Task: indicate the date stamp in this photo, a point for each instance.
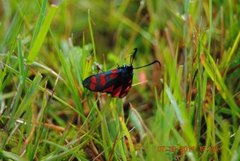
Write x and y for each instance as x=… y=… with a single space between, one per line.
x=182 y=150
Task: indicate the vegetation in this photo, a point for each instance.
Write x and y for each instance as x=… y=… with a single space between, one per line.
x=187 y=109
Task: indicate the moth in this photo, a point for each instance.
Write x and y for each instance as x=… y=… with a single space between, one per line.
x=116 y=82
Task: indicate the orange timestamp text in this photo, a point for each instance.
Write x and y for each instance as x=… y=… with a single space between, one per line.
x=184 y=149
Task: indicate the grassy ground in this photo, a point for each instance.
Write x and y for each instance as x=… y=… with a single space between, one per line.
x=187 y=109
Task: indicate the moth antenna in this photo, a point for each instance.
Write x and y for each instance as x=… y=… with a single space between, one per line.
x=133 y=56
x=156 y=61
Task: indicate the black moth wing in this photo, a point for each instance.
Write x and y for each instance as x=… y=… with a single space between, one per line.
x=117 y=82
x=101 y=81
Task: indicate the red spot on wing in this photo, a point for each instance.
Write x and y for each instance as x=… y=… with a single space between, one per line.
x=93 y=81
x=112 y=76
x=125 y=91
x=109 y=89
x=117 y=91
x=112 y=82
x=102 y=79
x=114 y=73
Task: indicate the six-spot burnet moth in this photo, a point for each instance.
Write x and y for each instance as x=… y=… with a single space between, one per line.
x=116 y=82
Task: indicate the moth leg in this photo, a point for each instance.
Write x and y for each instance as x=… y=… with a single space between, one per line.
x=99 y=67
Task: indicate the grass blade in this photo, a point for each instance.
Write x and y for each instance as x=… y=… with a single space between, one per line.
x=34 y=51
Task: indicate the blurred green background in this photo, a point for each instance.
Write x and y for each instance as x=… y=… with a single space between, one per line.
x=186 y=109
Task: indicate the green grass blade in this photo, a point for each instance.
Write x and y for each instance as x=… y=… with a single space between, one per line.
x=9 y=155
x=34 y=51
x=131 y=147
x=212 y=70
x=28 y=99
x=91 y=33
x=40 y=20
x=70 y=82
x=181 y=114
x=236 y=142
x=227 y=57
x=22 y=69
x=12 y=32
